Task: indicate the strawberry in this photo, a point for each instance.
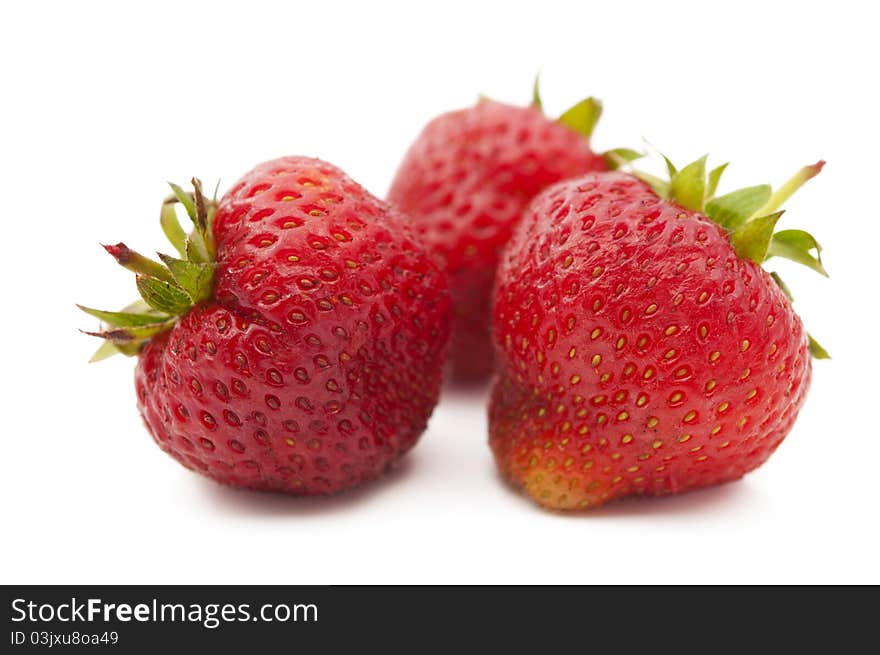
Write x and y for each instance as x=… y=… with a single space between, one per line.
x=298 y=342
x=466 y=180
x=643 y=349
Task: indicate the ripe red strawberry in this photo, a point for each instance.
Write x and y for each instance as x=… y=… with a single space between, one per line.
x=465 y=182
x=298 y=346
x=643 y=349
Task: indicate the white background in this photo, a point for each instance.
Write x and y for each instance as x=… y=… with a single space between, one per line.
x=102 y=103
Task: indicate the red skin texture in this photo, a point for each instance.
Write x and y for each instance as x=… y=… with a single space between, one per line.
x=638 y=353
x=465 y=182
x=320 y=358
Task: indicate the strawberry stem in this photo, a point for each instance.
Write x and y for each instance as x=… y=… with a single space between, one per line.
x=536 y=92
x=137 y=263
x=168 y=289
x=784 y=192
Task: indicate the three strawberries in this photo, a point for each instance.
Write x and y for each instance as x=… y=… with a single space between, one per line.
x=298 y=340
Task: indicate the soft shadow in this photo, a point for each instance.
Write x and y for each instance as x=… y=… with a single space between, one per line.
x=711 y=499
x=233 y=500
x=693 y=503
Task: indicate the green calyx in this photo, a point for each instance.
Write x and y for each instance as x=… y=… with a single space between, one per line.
x=168 y=288
x=749 y=215
x=580 y=117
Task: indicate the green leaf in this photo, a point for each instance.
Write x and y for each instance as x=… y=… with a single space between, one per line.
x=817 y=351
x=735 y=208
x=714 y=179
x=163 y=296
x=619 y=157
x=166 y=292
x=171 y=227
x=186 y=200
x=124 y=335
x=583 y=116
x=195 y=278
x=536 y=92
x=196 y=248
x=787 y=190
x=204 y=219
x=688 y=186
x=751 y=240
x=107 y=349
x=670 y=167
x=140 y=307
x=124 y=319
x=136 y=262
x=130 y=349
x=796 y=246
x=782 y=285
x=660 y=187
